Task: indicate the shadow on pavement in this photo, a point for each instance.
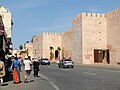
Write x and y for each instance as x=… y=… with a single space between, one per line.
x=8 y=77
x=31 y=80
x=5 y=84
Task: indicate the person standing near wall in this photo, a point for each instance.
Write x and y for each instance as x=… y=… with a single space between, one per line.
x=16 y=70
x=36 y=67
x=20 y=60
x=28 y=69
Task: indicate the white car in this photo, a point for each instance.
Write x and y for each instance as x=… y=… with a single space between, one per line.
x=45 y=61
x=66 y=63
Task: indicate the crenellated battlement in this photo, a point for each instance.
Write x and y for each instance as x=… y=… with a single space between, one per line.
x=77 y=17
x=113 y=11
x=92 y=15
x=52 y=34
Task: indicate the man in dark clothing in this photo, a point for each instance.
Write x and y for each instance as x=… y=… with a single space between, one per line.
x=2 y=54
x=36 y=67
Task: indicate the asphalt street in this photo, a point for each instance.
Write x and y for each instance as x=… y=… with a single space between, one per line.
x=82 y=77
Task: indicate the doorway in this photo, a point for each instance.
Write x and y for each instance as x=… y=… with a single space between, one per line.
x=101 y=56
x=56 y=54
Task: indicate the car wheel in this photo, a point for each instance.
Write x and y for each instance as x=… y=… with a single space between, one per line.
x=72 y=66
x=59 y=66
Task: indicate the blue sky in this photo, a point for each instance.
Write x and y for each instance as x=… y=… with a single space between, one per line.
x=32 y=17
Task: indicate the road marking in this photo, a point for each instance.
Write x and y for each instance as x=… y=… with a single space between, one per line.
x=89 y=73
x=49 y=82
x=102 y=69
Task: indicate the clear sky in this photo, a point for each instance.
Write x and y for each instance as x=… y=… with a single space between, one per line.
x=32 y=17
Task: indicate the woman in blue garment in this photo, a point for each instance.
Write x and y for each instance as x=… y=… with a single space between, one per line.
x=16 y=70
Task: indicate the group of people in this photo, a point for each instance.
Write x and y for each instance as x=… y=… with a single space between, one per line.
x=15 y=69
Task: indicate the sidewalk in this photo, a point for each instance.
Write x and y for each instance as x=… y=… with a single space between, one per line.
x=37 y=83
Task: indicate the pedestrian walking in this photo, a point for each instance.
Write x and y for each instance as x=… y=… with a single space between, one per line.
x=16 y=70
x=2 y=71
x=9 y=71
x=20 y=60
x=29 y=58
x=36 y=67
x=9 y=63
x=28 y=69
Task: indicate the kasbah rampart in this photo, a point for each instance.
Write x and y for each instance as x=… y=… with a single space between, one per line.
x=93 y=38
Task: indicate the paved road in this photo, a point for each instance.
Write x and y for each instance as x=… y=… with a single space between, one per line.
x=83 y=77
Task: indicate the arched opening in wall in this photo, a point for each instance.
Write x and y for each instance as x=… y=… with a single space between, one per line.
x=56 y=54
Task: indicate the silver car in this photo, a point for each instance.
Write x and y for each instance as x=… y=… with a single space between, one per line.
x=66 y=63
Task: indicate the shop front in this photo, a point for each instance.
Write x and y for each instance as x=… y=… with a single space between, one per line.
x=4 y=45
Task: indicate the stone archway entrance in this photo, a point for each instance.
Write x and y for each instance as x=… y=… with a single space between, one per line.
x=56 y=54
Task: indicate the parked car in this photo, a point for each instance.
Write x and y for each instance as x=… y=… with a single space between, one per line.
x=44 y=61
x=66 y=63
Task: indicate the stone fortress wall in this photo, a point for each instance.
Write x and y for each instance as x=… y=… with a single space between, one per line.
x=89 y=32
x=51 y=39
x=37 y=46
x=67 y=44
x=43 y=41
x=94 y=35
x=113 y=32
x=77 y=39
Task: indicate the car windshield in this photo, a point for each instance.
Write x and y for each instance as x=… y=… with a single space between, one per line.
x=67 y=60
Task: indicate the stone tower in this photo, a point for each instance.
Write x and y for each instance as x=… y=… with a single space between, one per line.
x=89 y=33
x=44 y=41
